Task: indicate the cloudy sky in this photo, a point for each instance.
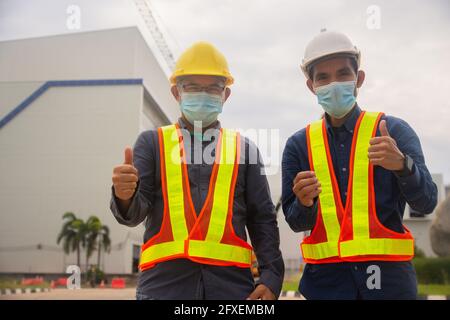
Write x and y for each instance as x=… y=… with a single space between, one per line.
x=406 y=59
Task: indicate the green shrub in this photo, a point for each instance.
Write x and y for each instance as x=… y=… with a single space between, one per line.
x=95 y=276
x=432 y=270
x=418 y=253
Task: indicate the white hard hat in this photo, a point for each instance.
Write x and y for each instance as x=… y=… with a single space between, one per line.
x=328 y=43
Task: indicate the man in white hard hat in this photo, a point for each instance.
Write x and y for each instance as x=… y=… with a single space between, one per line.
x=199 y=187
x=347 y=178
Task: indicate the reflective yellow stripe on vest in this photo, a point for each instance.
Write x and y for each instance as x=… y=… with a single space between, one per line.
x=327 y=202
x=362 y=244
x=211 y=247
x=174 y=183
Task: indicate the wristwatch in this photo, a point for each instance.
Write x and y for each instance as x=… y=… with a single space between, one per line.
x=407 y=170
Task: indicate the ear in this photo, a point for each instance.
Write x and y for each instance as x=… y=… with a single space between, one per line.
x=227 y=93
x=309 y=83
x=361 y=77
x=175 y=93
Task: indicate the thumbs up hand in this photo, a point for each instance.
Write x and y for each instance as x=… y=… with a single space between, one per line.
x=125 y=177
x=383 y=151
x=383 y=129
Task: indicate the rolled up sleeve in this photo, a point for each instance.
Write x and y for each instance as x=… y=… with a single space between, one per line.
x=298 y=217
x=418 y=189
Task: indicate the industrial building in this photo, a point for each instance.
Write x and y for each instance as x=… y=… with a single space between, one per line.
x=69 y=106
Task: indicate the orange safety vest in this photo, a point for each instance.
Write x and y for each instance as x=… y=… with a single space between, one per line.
x=353 y=232
x=208 y=238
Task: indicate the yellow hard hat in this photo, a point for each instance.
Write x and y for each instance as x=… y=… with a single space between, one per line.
x=202 y=58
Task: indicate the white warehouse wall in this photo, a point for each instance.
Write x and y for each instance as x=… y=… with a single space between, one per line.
x=58 y=154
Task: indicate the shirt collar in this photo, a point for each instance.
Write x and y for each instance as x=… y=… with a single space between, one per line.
x=183 y=125
x=349 y=124
x=216 y=127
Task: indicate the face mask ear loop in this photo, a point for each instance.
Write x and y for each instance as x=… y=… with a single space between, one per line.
x=356 y=85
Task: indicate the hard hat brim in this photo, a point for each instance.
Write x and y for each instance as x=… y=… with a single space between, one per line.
x=229 y=80
x=307 y=65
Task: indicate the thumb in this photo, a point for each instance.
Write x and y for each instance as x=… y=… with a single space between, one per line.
x=128 y=156
x=383 y=129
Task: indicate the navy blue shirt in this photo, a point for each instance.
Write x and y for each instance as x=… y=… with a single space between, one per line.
x=391 y=192
x=253 y=210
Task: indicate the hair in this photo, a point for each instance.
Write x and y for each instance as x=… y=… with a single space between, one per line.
x=353 y=61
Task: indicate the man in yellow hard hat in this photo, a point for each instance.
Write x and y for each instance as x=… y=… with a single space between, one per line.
x=347 y=178
x=198 y=188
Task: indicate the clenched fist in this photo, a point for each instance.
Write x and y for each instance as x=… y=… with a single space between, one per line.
x=306 y=187
x=125 y=177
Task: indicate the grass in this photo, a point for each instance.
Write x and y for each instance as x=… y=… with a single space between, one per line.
x=434 y=289
x=291 y=281
x=291 y=284
x=423 y=289
x=6 y=283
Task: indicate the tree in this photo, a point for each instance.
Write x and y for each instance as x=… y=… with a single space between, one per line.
x=104 y=242
x=71 y=234
x=91 y=230
x=97 y=238
x=91 y=235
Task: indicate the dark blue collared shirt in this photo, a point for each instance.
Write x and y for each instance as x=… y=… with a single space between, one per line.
x=347 y=280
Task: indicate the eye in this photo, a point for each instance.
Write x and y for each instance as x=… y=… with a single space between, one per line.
x=191 y=88
x=215 y=89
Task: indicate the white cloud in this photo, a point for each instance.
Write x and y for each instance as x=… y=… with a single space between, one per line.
x=406 y=61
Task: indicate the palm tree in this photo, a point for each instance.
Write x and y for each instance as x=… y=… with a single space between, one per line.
x=90 y=235
x=104 y=242
x=97 y=238
x=71 y=234
x=91 y=231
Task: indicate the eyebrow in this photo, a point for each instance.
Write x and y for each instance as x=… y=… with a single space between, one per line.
x=221 y=84
x=320 y=74
x=344 y=69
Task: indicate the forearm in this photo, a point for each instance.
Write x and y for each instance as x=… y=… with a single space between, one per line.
x=299 y=217
x=419 y=190
x=266 y=243
x=272 y=274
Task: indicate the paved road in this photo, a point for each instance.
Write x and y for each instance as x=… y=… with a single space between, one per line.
x=84 y=294
x=81 y=294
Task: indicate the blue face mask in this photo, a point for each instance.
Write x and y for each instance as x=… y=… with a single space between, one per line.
x=201 y=106
x=337 y=98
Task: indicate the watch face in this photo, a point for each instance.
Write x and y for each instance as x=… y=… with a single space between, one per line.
x=409 y=163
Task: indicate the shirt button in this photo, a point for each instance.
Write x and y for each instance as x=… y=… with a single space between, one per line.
x=344 y=169
x=342 y=145
x=355 y=267
x=345 y=193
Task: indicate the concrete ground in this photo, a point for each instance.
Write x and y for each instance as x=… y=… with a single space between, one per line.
x=84 y=294
x=81 y=294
